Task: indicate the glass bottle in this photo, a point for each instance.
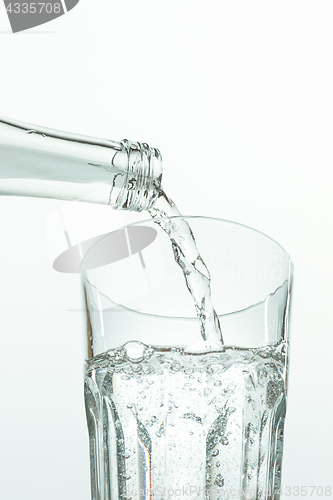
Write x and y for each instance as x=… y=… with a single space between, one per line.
x=41 y=162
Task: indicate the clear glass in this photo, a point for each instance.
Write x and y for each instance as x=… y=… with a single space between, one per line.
x=168 y=416
x=38 y=161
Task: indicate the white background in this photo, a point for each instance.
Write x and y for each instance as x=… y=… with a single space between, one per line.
x=238 y=96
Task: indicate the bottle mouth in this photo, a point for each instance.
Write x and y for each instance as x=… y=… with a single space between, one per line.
x=138 y=183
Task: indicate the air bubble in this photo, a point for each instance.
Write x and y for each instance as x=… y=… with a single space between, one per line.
x=119 y=355
x=149 y=351
x=265 y=352
x=135 y=351
x=219 y=481
x=160 y=431
x=280 y=434
x=192 y=416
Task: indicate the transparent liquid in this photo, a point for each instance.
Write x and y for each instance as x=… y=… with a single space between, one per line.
x=194 y=269
x=165 y=423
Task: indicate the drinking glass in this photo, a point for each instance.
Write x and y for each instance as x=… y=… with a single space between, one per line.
x=170 y=415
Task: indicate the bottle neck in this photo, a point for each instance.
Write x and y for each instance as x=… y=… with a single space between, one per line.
x=41 y=162
x=138 y=186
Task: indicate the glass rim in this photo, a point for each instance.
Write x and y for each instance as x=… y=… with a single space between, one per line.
x=201 y=217
x=194 y=317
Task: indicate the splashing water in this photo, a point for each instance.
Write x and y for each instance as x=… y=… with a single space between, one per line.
x=194 y=269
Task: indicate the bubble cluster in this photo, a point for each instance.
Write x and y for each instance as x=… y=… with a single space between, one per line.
x=206 y=417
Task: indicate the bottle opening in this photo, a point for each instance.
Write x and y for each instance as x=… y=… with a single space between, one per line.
x=136 y=187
